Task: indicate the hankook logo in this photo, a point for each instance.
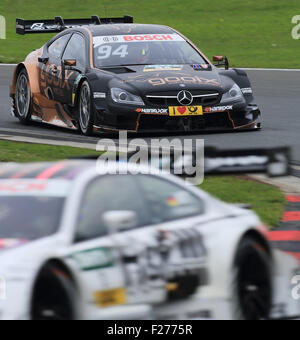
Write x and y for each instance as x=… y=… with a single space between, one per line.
x=185 y=98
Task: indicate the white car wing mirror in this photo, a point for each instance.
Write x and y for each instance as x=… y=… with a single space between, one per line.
x=120 y=220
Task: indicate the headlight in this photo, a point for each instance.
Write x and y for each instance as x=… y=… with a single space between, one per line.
x=234 y=94
x=123 y=97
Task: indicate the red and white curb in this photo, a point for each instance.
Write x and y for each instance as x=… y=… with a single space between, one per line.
x=287 y=236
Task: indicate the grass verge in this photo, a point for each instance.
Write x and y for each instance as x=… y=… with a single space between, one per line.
x=251 y=33
x=267 y=201
x=24 y=152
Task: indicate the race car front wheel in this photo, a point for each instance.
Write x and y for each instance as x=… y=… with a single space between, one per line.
x=22 y=101
x=86 y=114
x=54 y=296
x=252 y=281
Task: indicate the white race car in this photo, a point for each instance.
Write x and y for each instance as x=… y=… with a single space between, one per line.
x=76 y=244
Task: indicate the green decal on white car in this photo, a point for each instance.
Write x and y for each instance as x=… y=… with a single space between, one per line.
x=93 y=259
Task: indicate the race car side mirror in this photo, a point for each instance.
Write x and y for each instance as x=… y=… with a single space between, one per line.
x=218 y=58
x=221 y=61
x=119 y=220
x=70 y=62
x=43 y=60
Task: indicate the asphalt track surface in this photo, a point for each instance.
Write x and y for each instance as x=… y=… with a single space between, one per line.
x=277 y=93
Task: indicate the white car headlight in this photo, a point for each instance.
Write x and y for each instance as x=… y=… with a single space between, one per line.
x=124 y=97
x=234 y=94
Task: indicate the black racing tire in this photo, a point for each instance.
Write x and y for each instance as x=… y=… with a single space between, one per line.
x=252 y=281
x=85 y=110
x=22 y=103
x=55 y=296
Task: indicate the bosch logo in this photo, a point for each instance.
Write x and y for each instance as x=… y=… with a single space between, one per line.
x=185 y=98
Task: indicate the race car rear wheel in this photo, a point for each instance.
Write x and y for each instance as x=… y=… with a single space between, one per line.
x=252 y=281
x=22 y=100
x=86 y=114
x=54 y=296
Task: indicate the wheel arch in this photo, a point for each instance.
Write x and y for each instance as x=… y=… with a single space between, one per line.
x=257 y=237
x=262 y=246
x=238 y=76
x=76 y=90
x=33 y=75
x=65 y=271
x=60 y=267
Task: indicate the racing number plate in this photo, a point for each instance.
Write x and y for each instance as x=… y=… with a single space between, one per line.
x=185 y=111
x=110 y=297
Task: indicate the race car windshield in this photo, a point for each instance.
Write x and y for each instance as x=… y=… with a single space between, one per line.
x=29 y=217
x=153 y=49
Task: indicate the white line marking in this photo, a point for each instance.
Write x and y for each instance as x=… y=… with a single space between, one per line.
x=31 y=140
x=271 y=69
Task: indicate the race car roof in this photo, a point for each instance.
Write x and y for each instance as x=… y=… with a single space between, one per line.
x=125 y=29
x=68 y=170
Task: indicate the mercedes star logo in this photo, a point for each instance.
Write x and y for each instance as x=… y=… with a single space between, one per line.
x=185 y=98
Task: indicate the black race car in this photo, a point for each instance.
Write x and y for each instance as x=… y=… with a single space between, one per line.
x=110 y=74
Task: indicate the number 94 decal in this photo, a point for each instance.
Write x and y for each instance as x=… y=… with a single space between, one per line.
x=106 y=51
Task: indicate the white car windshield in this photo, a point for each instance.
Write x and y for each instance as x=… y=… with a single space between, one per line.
x=31 y=209
x=148 y=49
x=29 y=217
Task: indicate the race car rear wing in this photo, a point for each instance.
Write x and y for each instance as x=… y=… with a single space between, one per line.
x=273 y=162
x=59 y=24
